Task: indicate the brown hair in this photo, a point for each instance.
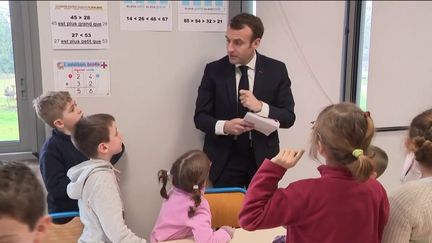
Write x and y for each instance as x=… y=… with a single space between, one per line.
x=380 y=158
x=341 y=129
x=188 y=171
x=420 y=138
x=50 y=106
x=91 y=131
x=21 y=194
x=239 y=21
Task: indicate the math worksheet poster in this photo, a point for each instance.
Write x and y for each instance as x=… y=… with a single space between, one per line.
x=146 y=15
x=83 y=78
x=79 y=24
x=202 y=15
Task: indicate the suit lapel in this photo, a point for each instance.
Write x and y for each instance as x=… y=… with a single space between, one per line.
x=230 y=82
x=259 y=76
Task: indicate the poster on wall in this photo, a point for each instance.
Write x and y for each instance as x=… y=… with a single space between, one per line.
x=203 y=15
x=83 y=78
x=79 y=24
x=146 y=15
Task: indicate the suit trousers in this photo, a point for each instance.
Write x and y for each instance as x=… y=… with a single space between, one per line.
x=241 y=165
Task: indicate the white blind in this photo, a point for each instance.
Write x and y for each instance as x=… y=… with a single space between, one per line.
x=400 y=67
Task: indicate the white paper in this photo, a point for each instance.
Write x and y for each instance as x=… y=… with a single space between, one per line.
x=146 y=15
x=203 y=15
x=83 y=78
x=262 y=124
x=79 y=24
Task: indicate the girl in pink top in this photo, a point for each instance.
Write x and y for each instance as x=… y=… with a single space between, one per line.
x=343 y=205
x=185 y=212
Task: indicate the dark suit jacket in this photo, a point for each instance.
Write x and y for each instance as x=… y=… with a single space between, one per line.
x=217 y=100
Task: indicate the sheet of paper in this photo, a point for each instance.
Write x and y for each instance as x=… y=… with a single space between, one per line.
x=262 y=124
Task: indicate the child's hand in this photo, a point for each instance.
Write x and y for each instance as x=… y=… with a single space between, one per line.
x=230 y=230
x=288 y=158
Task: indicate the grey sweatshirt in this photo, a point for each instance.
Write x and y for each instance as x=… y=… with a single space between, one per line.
x=94 y=185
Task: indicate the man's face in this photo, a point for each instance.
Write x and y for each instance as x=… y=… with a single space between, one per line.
x=240 y=48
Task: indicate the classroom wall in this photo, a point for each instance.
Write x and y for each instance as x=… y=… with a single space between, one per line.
x=154 y=90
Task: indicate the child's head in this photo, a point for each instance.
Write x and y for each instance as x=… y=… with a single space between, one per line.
x=420 y=138
x=342 y=133
x=58 y=110
x=22 y=205
x=96 y=136
x=189 y=173
x=380 y=158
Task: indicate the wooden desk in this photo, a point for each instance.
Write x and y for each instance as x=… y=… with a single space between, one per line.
x=243 y=236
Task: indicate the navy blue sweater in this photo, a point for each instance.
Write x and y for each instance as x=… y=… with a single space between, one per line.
x=57 y=156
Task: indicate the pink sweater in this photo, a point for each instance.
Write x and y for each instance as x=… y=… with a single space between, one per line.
x=173 y=221
x=334 y=208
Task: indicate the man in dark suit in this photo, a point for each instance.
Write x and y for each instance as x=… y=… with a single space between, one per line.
x=242 y=81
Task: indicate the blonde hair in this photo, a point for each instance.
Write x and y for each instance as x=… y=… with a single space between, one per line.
x=341 y=129
x=50 y=106
x=420 y=138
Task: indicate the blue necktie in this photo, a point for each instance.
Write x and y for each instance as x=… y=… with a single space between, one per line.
x=243 y=84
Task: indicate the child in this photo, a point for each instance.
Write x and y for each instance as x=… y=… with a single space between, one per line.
x=380 y=159
x=58 y=155
x=185 y=212
x=94 y=184
x=410 y=205
x=343 y=205
x=22 y=205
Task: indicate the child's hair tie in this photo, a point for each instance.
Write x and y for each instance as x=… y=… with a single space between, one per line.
x=357 y=153
x=195 y=187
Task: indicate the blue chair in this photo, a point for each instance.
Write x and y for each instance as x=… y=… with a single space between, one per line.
x=225 y=204
x=61 y=215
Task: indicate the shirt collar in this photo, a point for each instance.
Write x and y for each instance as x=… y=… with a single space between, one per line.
x=251 y=64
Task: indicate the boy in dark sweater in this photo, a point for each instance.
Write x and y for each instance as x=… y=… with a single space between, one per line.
x=58 y=110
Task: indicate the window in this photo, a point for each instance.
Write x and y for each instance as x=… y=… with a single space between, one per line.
x=363 y=63
x=19 y=131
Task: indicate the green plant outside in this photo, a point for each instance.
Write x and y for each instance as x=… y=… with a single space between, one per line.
x=9 y=126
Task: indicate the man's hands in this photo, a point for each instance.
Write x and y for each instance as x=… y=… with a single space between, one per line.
x=237 y=126
x=249 y=101
x=288 y=158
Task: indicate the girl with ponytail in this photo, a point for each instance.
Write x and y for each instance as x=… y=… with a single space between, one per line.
x=343 y=205
x=185 y=212
x=410 y=205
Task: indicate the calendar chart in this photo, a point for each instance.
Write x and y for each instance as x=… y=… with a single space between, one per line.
x=83 y=78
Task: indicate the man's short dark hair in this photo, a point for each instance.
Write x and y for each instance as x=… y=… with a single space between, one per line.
x=239 y=21
x=91 y=131
x=21 y=194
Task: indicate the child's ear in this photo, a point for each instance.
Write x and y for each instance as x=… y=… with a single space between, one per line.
x=58 y=123
x=102 y=148
x=41 y=228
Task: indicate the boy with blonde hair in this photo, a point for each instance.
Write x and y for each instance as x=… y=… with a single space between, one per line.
x=380 y=158
x=22 y=205
x=60 y=111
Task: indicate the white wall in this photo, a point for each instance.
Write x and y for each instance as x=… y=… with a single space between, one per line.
x=153 y=91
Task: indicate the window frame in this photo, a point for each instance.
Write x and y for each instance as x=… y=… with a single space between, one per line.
x=28 y=81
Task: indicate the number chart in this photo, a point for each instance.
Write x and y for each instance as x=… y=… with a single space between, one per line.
x=89 y=78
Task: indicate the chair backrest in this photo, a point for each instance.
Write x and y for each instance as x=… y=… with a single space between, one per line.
x=225 y=204
x=69 y=232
